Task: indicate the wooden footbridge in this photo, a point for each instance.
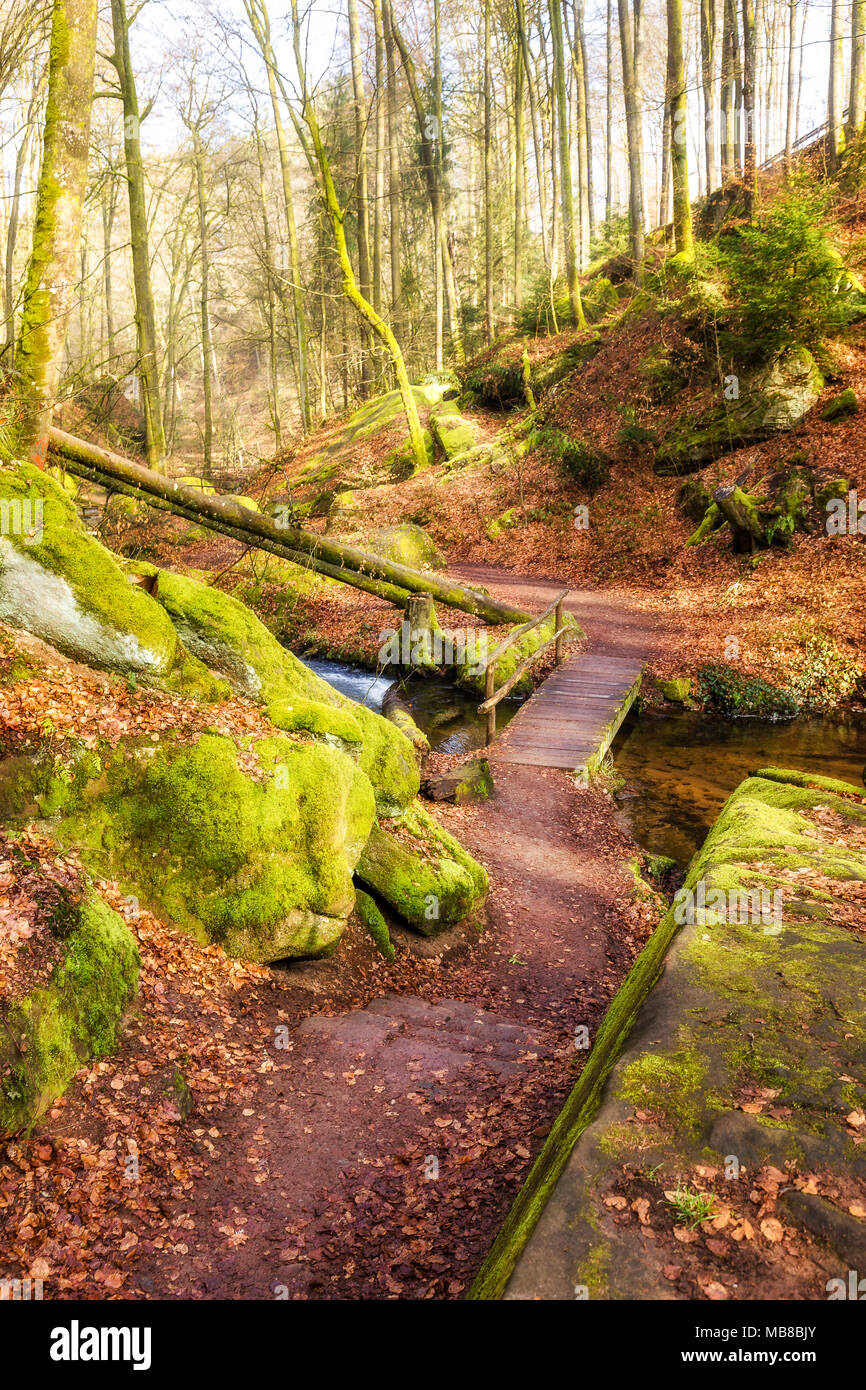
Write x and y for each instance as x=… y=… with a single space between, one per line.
x=572 y=719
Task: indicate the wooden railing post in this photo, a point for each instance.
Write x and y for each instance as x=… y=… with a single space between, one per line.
x=558 y=629
x=488 y=695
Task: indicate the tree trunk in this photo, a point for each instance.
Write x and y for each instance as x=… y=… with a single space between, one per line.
x=676 y=84
x=260 y=23
x=336 y=215
x=519 y=178
x=145 y=316
x=857 y=97
x=634 y=134
x=565 y=184
x=488 y=180
x=749 y=163
x=708 y=63
x=608 y=150
x=362 y=202
x=431 y=165
x=536 y=138
x=791 y=103
x=393 y=178
x=379 y=165
x=348 y=562
x=50 y=282
x=834 y=93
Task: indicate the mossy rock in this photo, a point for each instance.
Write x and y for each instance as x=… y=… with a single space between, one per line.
x=401 y=463
x=242 y=500
x=738 y=694
x=472 y=781
x=422 y=872
x=677 y=690
x=334 y=726
x=440 y=386
x=452 y=432
x=841 y=406
x=600 y=298
x=60 y=1026
x=773 y=399
x=374 y=923
x=66 y=588
x=259 y=864
x=694 y=498
x=230 y=639
x=742 y=1008
x=405 y=544
x=189 y=480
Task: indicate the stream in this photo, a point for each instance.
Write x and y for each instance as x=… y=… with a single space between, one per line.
x=679 y=769
x=448 y=716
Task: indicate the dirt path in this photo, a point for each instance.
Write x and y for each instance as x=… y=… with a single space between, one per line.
x=346 y=1128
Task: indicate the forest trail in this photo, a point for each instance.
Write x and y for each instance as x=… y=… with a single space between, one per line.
x=377 y=1154
x=572 y=719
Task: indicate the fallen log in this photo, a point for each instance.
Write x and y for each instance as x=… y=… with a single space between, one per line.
x=349 y=563
x=379 y=587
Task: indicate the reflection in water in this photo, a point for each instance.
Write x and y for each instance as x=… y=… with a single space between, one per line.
x=448 y=716
x=680 y=769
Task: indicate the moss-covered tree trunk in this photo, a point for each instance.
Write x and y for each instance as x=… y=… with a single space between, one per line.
x=749 y=162
x=257 y=15
x=565 y=182
x=676 y=96
x=346 y=562
x=145 y=316
x=51 y=276
x=335 y=215
x=708 y=63
x=362 y=202
x=634 y=135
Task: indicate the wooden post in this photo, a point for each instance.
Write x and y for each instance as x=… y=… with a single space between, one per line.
x=558 y=645
x=491 y=713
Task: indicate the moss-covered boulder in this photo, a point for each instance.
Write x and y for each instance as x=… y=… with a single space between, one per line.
x=48 y=1035
x=772 y=399
x=422 y=872
x=59 y=583
x=841 y=406
x=743 y=1053
x=677 y=691
x=229 y=638
x=251 y=847
x=452 y=432
x=405 y=543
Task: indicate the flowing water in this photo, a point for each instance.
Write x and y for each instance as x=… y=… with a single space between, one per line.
x=448 y=716
x=680 y=769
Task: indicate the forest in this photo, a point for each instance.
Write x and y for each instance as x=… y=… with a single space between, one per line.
x=432 y=663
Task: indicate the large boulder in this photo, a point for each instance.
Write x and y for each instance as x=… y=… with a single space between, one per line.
x=59 y=583
x=451 y=431
x=422 y=872
x=50 y=1032
x=251 y=847
x=772 y=399
x=229 y=638
x=405 y=544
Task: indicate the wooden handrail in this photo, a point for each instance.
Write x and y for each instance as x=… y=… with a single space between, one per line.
x=492 y=697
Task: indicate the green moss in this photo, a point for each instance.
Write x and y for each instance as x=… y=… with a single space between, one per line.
x=262 y=865
x=452 y=432
x=671 y=1083
x=374 y=923
x=404 y=543
x=49 y=1035
x=422 y=872
x=677 y=690
x=230 y=638
x=841 y=406
x=324 y=721
x=66 y=588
